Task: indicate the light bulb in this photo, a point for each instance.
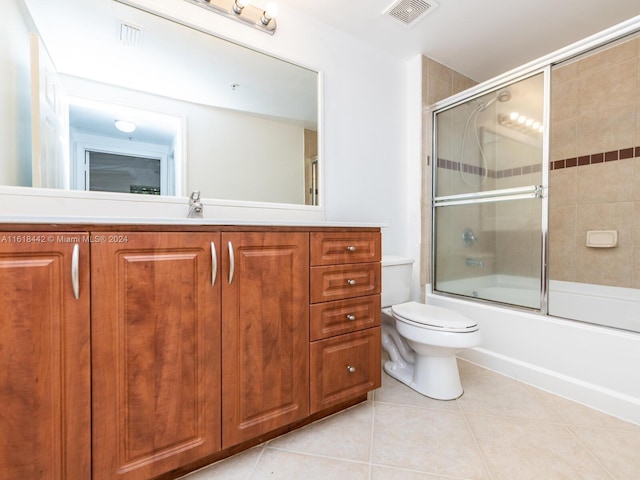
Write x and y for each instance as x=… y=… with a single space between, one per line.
x=239 y=5
x=522 y=119
x=514 y=115
x=272 y=10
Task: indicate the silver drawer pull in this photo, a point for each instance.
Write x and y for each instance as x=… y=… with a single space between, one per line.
x=351 y=282
x=351 y=369
x=351 y=317
x=351 y=248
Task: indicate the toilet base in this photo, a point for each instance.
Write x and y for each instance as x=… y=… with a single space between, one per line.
x=433 y=377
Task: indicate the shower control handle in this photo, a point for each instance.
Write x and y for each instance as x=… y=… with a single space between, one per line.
x=351 y=317
x=351 y=282
x=351 y=369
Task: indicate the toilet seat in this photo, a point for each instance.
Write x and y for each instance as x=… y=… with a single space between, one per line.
x=433 y=318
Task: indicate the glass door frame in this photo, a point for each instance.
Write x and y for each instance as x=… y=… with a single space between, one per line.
x=532 y=191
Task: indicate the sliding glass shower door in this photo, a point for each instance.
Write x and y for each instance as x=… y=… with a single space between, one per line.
x=488 y=190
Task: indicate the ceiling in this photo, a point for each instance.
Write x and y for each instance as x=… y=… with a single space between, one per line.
x=480 y=39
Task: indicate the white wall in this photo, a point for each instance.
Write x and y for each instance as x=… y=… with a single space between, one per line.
x=15 y=117
x=363 y=127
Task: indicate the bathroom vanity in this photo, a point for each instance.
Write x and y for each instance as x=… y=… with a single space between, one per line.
x=146 y=351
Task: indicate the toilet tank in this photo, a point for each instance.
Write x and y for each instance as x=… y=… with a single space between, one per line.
x=396 y=279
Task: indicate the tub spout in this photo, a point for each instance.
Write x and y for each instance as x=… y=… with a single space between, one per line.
x=474 y=262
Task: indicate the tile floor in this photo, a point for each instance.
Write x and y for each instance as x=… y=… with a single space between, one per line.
x=499 y=429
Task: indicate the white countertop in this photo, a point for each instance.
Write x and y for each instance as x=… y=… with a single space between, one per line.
x=178 y=221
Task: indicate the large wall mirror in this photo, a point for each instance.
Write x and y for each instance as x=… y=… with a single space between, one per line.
x=198 y=112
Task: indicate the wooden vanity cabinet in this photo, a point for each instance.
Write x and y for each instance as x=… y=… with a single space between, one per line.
x=147 y=353
x=156 y=358
x=345 y=316
x=45 y=410
x=265 y=332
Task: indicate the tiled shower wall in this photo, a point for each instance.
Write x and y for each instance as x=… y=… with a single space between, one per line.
x=438 y=83
x=595 y=166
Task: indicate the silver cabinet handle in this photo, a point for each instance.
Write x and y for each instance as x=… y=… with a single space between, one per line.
x=214 y=264
x=351 y=248
x=232 y=262
x=351 y=317
x=75 y=271
x=351 y=282
x=351 y=369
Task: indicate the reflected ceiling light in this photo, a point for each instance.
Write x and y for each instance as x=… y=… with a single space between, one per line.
x=125 y=126
x=521 y=123
x=243 y=11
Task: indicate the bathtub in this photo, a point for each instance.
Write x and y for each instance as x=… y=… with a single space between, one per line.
x=586 y=360
x=615 y=307
x=598 y=304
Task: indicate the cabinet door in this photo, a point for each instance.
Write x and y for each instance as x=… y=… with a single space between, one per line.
x=345 y=366
x=155 y=352
x=45 y=411
x=265 y=333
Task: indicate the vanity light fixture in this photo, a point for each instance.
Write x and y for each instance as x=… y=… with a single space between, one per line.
x=125 y=126
x=243 y=11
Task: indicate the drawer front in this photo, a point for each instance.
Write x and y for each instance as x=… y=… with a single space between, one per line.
x=330 y=248
x=344 y=367
x=337 y=282
x=344 y=316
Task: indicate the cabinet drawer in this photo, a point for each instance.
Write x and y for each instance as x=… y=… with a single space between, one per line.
x=329 y=248
x=344 y=316
x=344 y=367
x=336 y=282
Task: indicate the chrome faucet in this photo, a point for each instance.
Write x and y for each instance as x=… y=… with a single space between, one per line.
x=195 y=205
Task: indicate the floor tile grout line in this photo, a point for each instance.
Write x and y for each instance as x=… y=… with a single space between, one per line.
x=477 y=444
x=371 y=434
x=588 y=450
x=255 y=466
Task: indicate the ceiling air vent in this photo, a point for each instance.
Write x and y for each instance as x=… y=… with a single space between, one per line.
x=130 y=35
x=408 y=12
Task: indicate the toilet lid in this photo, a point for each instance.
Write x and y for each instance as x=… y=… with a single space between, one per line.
x=431 y=316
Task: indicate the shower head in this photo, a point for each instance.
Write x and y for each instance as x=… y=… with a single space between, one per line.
x=502 y=96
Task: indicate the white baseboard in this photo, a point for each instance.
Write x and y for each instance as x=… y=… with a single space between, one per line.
x=605 y=400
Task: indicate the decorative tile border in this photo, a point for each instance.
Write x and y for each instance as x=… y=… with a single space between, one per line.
x=594 y=158
x=474 y=170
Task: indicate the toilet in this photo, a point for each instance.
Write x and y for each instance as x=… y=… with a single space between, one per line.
x=422 y=340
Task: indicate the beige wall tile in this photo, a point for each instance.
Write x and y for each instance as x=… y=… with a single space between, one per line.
x=603 y=131
x=461 y=82
x=605 y=266
x=564 y=72
x=564 y=139
x=606 y=183
x=562 y=242
x=563 y=187
x=439 y=71
x=565 y=100
x=610 y=88
x=608 y=57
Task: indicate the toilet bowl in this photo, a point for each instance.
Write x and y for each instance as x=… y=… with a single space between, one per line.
x=422 y=340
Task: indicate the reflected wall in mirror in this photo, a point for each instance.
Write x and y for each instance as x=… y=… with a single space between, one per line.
x=209 y=115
